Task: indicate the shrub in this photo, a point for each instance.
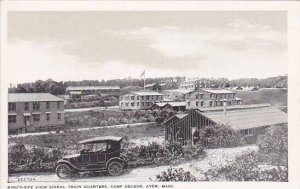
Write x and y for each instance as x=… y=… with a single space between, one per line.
x=220 y=136
x=173 y=174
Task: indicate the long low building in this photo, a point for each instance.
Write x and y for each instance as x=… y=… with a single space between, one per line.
x=79 y=91
x=175 y=106
x=140 y=100
x=28 y=112
x=247 y=120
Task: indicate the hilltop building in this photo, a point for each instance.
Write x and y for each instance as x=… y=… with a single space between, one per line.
x=29 y=112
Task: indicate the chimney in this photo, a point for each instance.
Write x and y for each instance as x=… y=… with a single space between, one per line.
x=225 y=107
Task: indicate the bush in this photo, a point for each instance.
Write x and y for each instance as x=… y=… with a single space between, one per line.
x=173 y=174
x=220 y=136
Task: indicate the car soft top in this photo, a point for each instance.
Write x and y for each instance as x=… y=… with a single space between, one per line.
x=101 y=139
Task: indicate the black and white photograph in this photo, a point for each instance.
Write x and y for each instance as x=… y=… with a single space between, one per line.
x=147 y=96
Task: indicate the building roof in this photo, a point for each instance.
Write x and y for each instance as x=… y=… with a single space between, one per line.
x=160 y=104
x=101 y=139
x=177 y=103
x=150 y=85
x=32 y=97
x=218 y=91
x=182 y=91
x=233 y=107
x=92 y=88
x=248 y=118
x=146 y=93
x=179 y=116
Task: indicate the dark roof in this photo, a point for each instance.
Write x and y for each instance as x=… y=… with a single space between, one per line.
x=32 y=97
x=248 y=118
x=101 y=139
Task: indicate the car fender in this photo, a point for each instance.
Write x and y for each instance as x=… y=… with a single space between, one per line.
x=66 y=162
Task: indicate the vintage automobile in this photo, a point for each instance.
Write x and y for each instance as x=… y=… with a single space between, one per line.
x=99 y=154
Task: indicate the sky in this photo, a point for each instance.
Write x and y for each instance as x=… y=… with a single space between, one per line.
x=114 y=45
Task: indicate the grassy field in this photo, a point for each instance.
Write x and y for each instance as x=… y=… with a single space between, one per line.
x=68 y=140
x=275 y=97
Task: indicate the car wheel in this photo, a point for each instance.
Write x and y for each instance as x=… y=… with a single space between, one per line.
x=63 y=171
x=115 y=168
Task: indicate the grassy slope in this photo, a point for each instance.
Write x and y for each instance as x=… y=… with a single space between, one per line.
x=275 y=97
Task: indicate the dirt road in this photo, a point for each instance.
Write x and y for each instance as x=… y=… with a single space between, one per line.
x=214 y=157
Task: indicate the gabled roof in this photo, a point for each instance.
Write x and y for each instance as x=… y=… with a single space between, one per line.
x=92 y=88
x=182 y=91
x=177 y=103
x=146 y=93
x=178 y=116
x=248 y=118
x=101 y=139
x=32 y=97
x=150 y=85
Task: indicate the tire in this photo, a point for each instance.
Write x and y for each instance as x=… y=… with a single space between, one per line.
x=115 y=168
x=63 y=171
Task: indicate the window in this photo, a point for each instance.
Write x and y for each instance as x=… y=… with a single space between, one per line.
x=142 y=97
x=197 y=103
x=121 y=104
x=48 y=116
x=197 y=96
x=12 y=118
x=47 y=105
x=210 y=103
x=58 y=116
x=138 y=104
x=202 y=103
x=210 y=95
x=36 y=117
x=26 y=105
x=189 y=103
x=138 y=97
x=11 y=106
x=58 y=105
x=147 y=97
x=126 y=104
x=143 y=104
x=201 y=95
x=148 y=103
x=36 y=105
x=132 y=97
x=132 y=104
x=216 y=103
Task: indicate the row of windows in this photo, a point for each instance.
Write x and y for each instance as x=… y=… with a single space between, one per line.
x=35 y=105
x=217 y=96
x=35 y=117
x=216 y=103
x=156 y=97
x=132 y=104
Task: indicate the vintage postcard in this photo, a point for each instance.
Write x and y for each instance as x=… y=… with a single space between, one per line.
x=149 y=94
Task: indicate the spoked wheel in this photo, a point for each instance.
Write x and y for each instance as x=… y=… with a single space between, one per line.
x=63 y=171
x=115 y=168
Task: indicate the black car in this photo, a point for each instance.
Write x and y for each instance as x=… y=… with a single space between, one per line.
x=99 y=154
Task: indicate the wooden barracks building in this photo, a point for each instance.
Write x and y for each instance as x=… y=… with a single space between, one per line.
x=140 y=100
x=247 y=120
x=29 y=112
x=211 y=97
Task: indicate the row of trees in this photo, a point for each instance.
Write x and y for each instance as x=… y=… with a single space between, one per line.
x=58 y=88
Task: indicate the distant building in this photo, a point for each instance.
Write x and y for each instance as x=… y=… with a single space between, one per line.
x=139 y=100
x=157 y=86
x=211 y=97
x=190 y=84
x=29 y=112
x=176 y=94
x=79 y=91
x=248 y=120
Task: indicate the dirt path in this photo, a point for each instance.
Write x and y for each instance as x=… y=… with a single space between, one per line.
x=196 y=167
